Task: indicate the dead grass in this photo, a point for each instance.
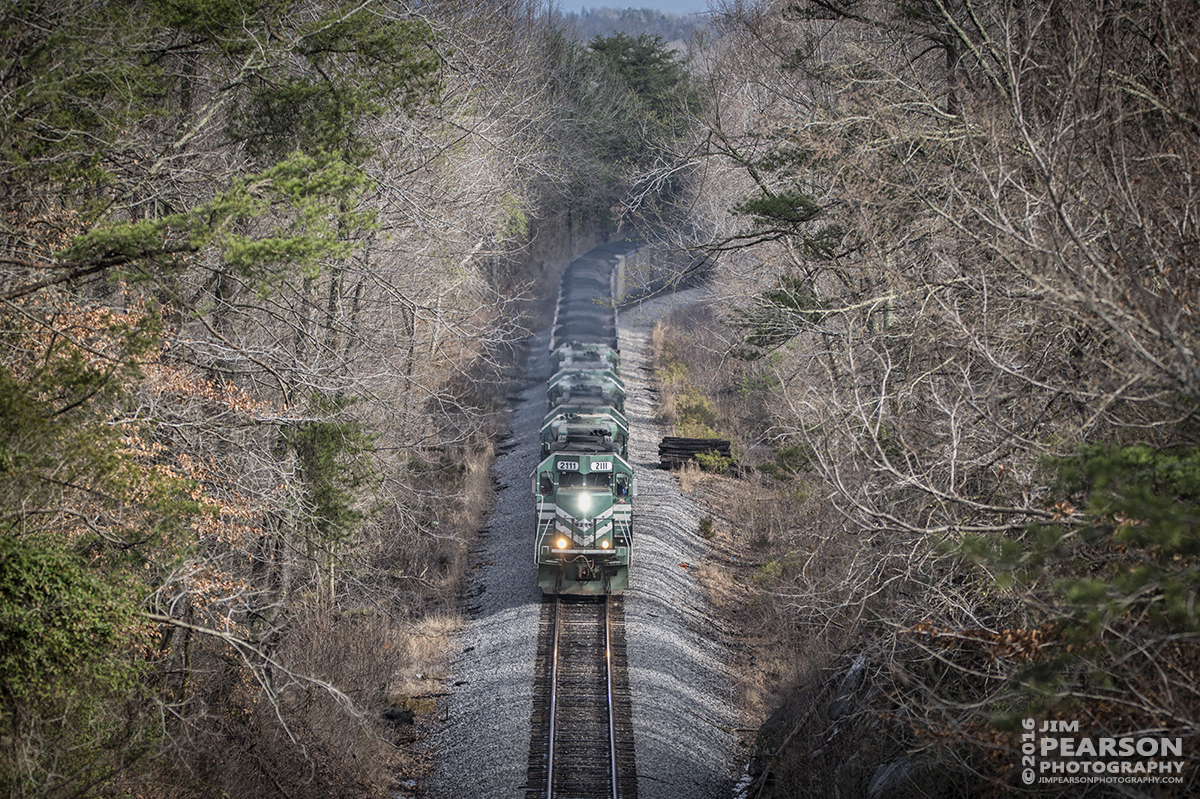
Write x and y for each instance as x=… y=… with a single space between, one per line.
x=754 y=533
x=786 y=574
x=421 y=654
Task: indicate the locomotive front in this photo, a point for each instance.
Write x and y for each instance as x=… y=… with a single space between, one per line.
x=584 y=527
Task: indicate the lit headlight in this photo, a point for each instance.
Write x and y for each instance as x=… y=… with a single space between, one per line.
x=561 y=543
x=585 y=502
x=605 y=544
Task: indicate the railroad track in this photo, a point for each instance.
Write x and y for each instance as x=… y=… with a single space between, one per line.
x=581 y=746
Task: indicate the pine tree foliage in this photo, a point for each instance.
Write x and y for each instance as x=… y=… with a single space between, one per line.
x=635 y=104
x=654 y=75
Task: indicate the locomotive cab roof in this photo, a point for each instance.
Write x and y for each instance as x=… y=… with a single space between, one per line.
x=590 y=415
x=576 y=374
x=584 y=355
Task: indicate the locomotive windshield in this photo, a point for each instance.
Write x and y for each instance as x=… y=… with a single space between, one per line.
x=577 y=480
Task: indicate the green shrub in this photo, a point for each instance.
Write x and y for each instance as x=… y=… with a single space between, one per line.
x=713 y=461
x=1111 y=577
x=69 y=644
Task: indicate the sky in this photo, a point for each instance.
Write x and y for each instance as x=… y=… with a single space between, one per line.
x=674 y=6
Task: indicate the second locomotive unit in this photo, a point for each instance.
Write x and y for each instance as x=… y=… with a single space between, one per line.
x=584 y=486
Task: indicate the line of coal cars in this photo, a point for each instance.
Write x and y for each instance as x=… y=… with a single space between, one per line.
x=584 y=486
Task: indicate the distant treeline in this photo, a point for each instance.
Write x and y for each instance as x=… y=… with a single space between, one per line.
x=607 y=21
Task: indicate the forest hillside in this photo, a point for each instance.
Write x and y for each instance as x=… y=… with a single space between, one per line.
x=606 y=21
x=954 y=333
x=263 y=269
x=262 y=272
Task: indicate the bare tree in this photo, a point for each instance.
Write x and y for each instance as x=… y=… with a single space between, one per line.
x=971 y=227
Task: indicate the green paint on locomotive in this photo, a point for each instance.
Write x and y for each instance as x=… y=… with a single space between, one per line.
x=576 y=430
x=586 y=387
x=577 y=355
x=584 y=522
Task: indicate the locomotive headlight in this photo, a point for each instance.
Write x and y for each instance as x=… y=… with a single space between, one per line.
x=561 y=543
x=585 y=502
x=605 y=544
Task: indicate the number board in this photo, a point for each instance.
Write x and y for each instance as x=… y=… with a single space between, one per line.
x=601 y=466
x=567 y=466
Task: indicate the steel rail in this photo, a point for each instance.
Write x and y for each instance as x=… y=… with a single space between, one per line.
x=553 y=697
x=558 y=623
x=612 y=720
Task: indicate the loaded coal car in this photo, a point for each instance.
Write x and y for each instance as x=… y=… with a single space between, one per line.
x=584 y=487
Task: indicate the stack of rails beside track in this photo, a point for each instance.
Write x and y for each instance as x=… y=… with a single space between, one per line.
x=581 y=743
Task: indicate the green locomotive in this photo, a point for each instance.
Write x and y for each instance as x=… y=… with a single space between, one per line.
x=584 y=522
